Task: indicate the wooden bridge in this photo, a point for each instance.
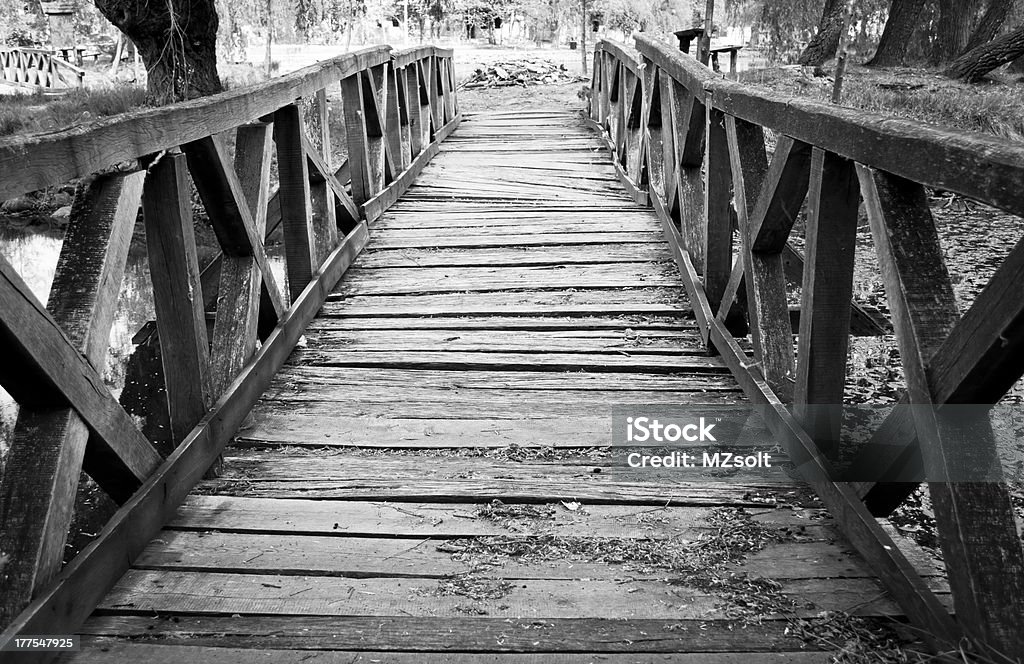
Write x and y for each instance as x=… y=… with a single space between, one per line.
x=38 y=69
x=399 y=452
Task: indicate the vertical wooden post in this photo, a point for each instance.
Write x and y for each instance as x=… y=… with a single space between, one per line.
x=40 y=480
x=355 y=130
x=834 y=198
x=413 y=92
x=294 y=194
x=325 y=219
x=717 y=209
x=177 y=292
x=705 y=41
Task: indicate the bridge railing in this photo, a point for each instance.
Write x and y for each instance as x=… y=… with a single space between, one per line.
x=693 y=146
x=396 y=108
x=38 y=69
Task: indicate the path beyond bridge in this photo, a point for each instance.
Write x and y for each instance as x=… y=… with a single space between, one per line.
x=411 y=434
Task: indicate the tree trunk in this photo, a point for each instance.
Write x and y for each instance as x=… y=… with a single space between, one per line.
x=988 y=26
x=178 y=43
x=954 y=29
x=899 y=26
x=973 y=65
x=826 y=41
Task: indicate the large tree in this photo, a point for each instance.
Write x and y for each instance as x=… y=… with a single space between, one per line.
x=954 y=29
x=825 y=42
x=177 y=40
x=899 y=27
x=976 y=63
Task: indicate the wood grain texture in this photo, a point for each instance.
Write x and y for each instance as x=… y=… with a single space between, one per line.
x=177 y=293
x=48 y=445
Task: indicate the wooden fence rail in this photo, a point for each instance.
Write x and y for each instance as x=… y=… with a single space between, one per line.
x=694 y=146
x=38 y=69
x=397 y=107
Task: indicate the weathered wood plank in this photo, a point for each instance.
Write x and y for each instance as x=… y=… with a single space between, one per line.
x=477 y=635
x=158 y=653
x=177 y=293
x=827 y=289
x=301 y=257
x=48 y=446
x=145 y=592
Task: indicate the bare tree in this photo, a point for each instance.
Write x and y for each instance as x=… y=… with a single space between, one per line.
x=991 y=21
x=177 y=40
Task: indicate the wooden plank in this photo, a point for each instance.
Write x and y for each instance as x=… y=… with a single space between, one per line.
x=512 y=256
x=559 y=303
x=395 y=281
x=782 y=194
x=430 y=359
x=967 y=513
x=477 y=635
x=177 y=294
x=57 y=157
x=145 y=592
x=301 y=259
x=325 y=222
x=238 y=300
x=715 y=253
x=831 y=237
x=413 y=521
x=278 y=428
x=163 y=654
x=621 y=342
x=48 y=446
x=339 y=320
x=65 y=604
x=768 y=311
x=368 y=557
x=487 y=240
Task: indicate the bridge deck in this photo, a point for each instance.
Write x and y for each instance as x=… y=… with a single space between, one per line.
x=474 y=353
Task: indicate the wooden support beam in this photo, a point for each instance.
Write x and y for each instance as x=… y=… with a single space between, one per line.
x=229 y=211
x=717 y=232
x=782 y=195
x=177 y=292
x=325 y=221
x=49 y=444
x=768 y=311
x=977 y=531
x=358 y=141
x=827 y=290
x=294 y=193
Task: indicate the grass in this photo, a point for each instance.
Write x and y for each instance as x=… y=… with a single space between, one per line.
x=23 y=114
x=995 y=108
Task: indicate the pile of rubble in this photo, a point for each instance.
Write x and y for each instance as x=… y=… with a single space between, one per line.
x=527 y=71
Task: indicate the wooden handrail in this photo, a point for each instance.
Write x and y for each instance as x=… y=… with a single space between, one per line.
x=693 y=146
x=397 y=108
